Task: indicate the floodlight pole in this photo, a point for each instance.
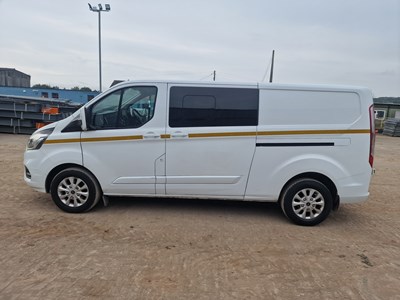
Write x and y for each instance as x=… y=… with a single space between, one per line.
x=100 y=9
x=100 y=79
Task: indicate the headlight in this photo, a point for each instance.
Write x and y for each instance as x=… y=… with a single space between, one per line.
x=38 y=138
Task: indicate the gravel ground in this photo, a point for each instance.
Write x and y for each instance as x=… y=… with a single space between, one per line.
x=192 y=249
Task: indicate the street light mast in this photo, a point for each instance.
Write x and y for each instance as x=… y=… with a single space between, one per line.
x=100 y=9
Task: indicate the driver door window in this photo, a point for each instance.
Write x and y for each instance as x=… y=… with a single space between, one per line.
x=126 y=108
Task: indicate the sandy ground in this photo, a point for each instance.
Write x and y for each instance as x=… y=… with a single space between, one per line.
x=185 y=249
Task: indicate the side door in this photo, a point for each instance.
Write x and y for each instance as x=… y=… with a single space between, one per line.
x=212 y=137
x=123 y=145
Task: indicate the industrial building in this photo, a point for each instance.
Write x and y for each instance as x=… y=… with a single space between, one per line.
x=61 y=94
x=17 y=83
x=15 y=78
x=24 y=109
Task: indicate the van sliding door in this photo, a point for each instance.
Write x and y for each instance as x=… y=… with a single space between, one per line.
x=212 y=134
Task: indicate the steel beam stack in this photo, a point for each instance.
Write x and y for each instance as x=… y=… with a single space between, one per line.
x=392 y=127
x=23 y=115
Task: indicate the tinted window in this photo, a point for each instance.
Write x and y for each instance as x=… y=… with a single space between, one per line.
x=126 y=108
x=204 y=106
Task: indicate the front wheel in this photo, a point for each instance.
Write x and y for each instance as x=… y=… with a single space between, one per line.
x=306 y=201
x=75 y=190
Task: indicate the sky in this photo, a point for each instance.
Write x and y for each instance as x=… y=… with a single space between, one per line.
x=350 y=42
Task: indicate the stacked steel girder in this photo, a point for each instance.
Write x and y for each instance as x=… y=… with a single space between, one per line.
x=25 y=114
x=392 y=127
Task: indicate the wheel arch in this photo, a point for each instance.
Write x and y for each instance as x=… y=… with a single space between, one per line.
x=316 y=176
x=62 y=167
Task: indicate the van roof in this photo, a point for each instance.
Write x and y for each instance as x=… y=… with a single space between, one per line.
x=284 y=86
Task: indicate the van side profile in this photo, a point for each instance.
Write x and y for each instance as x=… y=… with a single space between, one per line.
x=306 y=147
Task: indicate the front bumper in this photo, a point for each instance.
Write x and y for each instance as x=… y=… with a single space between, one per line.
x=34 y=174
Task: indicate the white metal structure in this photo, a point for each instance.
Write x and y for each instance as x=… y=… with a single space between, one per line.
x=304 y=146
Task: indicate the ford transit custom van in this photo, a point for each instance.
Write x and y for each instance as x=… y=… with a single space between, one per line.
x=306 y=147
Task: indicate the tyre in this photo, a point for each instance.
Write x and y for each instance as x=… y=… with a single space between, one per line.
x=75 y=190
x=306 y=201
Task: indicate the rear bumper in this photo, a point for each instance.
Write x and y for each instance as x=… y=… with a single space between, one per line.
x=354 y=199
x=354 y=189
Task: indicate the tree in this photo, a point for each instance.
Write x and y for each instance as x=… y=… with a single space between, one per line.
x=75 y=88
x=45 y=86
x=86 y=89
x=41 y=86
x=83 y=89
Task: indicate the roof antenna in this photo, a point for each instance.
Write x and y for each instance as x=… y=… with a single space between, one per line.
x=270 y=67
x=271 y=74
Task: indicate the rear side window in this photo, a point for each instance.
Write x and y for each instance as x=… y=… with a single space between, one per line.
x=210 y=107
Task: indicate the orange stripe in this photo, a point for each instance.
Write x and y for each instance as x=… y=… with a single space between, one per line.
x=213 y=134
x=96 y=139
x=62 y=141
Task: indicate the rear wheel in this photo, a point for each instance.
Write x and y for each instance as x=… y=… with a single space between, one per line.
x=75 y=190
x=306 y=202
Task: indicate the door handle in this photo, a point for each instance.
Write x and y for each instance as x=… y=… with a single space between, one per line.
x=151 y=135
x=179 y=135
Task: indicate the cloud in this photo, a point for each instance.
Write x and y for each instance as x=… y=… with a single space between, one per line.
x=347 y=42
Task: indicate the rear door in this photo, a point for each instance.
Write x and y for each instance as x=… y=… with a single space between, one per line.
x=211 y=139
x=123 y=146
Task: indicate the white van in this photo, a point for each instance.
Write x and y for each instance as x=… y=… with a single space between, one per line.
x=306 y=147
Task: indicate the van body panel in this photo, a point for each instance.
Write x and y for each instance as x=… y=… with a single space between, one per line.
x=213 y=161
x=41 y=162
x=353 y=189
x=118 y=165
x=123 y=160
x=305 y=131
x=308 y=108
x=203 y=166
x=160 y=172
